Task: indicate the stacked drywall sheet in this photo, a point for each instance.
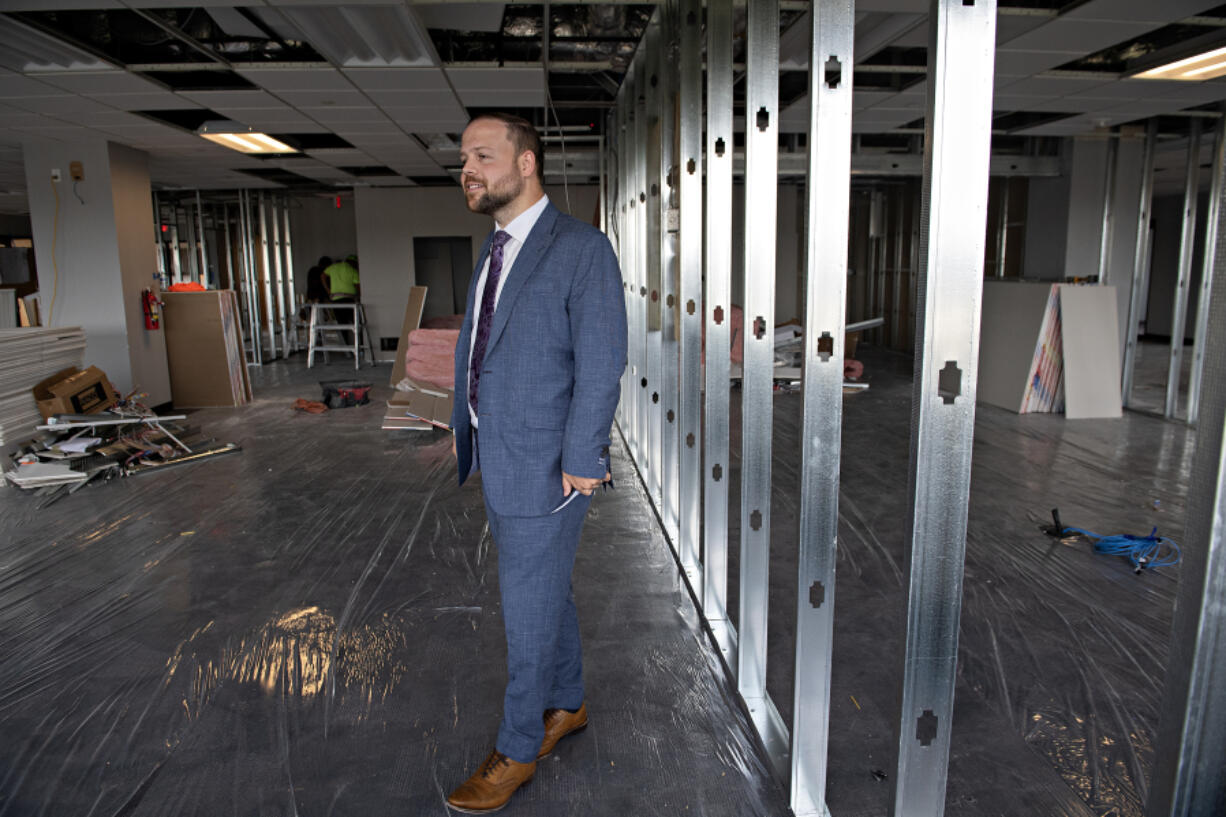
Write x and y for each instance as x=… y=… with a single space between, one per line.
x=1050 y=348
x=28 y=356
x=205 y=349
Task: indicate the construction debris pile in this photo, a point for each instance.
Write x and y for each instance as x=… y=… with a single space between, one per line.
x=89 y=432
x=76 y=449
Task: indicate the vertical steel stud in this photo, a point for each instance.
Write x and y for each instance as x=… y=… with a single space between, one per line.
x=1179 y=313
x=761 y=191
x=829 y=200
x=1189 y=778
x=956 y=163
x=668 y=201
x=717 y=315
x=690 y=295
x=1206 y=277
x=1140 y=262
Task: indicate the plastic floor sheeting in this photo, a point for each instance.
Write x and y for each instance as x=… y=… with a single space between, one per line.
x=1062 y=651
x=312 y=627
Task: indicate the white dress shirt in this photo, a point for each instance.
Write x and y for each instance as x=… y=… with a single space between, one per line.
x=518 y=229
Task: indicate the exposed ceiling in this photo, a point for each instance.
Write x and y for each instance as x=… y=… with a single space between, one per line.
x=375 y=93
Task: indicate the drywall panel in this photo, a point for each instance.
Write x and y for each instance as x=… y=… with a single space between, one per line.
x=1012 y=316
x=1090 y=325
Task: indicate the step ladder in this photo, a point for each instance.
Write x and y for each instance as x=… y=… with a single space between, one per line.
x=325 y=319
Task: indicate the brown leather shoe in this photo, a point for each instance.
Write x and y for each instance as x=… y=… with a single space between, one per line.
x=492 y=785
x=558 y=724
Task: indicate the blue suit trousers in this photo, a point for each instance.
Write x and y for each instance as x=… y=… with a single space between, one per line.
x=536 y=555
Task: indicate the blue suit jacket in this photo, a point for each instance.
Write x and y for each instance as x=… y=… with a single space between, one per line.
x=551 y=377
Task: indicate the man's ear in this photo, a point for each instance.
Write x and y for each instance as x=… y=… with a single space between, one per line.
x=527 y=164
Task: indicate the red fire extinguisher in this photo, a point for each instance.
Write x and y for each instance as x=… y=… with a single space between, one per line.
x=152 y=307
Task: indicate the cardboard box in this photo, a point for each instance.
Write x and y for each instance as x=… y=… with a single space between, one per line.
x=73 y=391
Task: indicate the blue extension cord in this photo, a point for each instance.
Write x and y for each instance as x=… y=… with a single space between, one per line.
x=1143 y=551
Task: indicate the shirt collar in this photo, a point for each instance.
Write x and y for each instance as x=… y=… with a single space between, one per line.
x=522 y=225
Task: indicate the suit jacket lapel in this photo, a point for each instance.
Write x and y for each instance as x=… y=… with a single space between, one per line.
x=525 y=265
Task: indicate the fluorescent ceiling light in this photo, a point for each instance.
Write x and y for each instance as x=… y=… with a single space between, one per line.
x=1204 y=66
x=241 y=138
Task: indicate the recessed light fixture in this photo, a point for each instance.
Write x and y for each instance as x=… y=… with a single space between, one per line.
x=241 y=138
x=1204 y=66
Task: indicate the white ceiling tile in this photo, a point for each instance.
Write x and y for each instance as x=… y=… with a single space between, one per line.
x=341 y=157
x=153 y=101
x=1054 y=86
x=336 y=117
x=413 y=99
x=1080 y=36
x=101 y=119
x=1147 y=11
x=398 y=79
x=101 y=82
x=233 y=99
x=1011 y=62
x=15 y=85
x=67 y=103
x=461 y=16
x=313 y=78
x=345 y=98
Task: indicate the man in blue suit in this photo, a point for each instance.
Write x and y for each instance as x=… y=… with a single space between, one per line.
x=538 y=366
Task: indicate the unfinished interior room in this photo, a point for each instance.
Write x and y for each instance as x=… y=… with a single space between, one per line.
x=910 y=404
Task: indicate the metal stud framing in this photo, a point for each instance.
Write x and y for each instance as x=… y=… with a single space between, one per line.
x=829 y=199
x=668 y=200
x=1140 y=262
x=690 y=296
x=956 y=164
x=1206 y=279
x=1179 y=313
x=761 y=190
x=717 y=315
x=1189 y=777
x=653 y=231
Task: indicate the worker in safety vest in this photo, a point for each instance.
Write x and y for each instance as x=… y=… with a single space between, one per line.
x=341 y=281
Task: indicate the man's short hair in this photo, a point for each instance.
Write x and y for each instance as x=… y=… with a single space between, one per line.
x=523 y=136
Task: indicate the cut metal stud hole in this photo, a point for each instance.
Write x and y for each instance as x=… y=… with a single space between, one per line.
x=834 y=72
x=949 y=382
x=755 y=520
x=825 y=346
x=643 y=292
x=655 y=190
x=670 y=416
x=689 y=307
x=719 y=146
x=717 y=472
x=655 y=397
x=926 y=728
x=764 y=118
x=670 y=301
x=759 y=327
x=817 y=594
x=643 y=382
x=655 y=296
x=689 y=440
x=691 y=19
x=691 y=166
x=642 y=197
x=718 y=315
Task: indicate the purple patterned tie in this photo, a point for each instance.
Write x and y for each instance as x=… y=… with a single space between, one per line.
x=486 y=319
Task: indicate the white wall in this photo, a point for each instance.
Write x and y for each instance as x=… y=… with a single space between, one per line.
x=1047 y=212
x=389 y=218
x=77 y=250
x=1087 y=191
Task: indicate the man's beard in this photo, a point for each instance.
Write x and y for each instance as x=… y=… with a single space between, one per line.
x=491 y=201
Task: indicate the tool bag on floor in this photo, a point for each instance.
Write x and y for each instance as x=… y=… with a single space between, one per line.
x=345 y=393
